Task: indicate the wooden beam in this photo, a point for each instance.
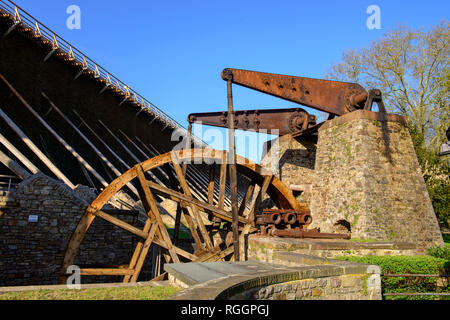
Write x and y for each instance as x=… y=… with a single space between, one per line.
x=14 y=166
x=36 y=150
x=187 y=192
x=56 y=135
x=85 y=139
x=212 y=174
x=143 y=254
x=248 y=194
x=176 y=196
x=8 y=145
x=102 y=141
x=119 y=223
x=223 y=180
x=152 y=209
x=105 y=272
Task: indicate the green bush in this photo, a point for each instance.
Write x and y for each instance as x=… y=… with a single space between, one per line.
x=408 y=265
x=440 y=252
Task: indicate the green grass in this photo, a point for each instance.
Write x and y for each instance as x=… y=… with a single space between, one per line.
x=407 y=265
x=124 y=293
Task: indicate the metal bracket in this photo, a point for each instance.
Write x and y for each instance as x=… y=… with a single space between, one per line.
x=376 y=96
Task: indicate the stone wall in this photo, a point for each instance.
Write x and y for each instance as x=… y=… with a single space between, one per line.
x=31 y=253
x=296 y=161
x=344 y=287
x=369 y=182
x=364 y=179
x=293 y=277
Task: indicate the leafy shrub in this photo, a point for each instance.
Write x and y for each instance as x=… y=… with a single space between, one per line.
x=440 y=252
x=407 y=265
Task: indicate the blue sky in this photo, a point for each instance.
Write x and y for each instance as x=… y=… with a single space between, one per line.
x=172 y=52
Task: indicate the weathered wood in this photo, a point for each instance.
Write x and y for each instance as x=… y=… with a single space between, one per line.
x=36 y=150
x=212 y=174
x=187 y=191
x=126 y=166
x=27 y=163
x=85 y=139
x=162 y=176
x=67 y=146
x=14 y=166
x=151 y=208
x=248 y=194
x=223 y=179
x=176 y=196
x=119 y=223
x=143 y=254
x=137 y=250
x=105 y=272
x=135 y=158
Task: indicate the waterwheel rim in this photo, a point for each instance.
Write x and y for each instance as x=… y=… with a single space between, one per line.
x=153 y=230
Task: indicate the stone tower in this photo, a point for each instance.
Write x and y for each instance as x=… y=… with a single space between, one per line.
x=366 y=179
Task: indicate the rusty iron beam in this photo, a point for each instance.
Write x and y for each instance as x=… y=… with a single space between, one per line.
x=271 y=121
x=333 y=97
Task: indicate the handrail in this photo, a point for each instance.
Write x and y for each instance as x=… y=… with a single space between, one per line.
x=21 y=17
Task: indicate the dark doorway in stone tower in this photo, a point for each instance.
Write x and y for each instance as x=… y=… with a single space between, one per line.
x=342 y=226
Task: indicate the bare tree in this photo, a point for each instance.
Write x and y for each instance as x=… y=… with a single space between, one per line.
x=412 y=69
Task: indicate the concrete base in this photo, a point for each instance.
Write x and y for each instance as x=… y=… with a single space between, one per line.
x=265 y=248
x=297 y=277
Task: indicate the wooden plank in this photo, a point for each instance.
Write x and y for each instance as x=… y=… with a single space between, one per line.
x=36 y=150
x=151 y=208
x=27 y=163
x=223 y=178
x=85 y=139
x=105 y=272
x=144 y=252
x=119 y=223
x=262 y=192
x=14 y=166
x=68 y=147
x=176 y=196
x=137 y=250
x=212 y=174
x=187 y=192
x=248 y=194
x=126 y=166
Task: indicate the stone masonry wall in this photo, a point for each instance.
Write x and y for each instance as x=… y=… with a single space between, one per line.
x=32 y=253
x=344 y=287
x=296 y=162
x=369 y=181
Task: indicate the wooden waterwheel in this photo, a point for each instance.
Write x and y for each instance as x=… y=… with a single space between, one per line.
x=206 y=214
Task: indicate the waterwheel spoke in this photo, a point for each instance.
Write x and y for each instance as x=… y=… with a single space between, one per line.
x=150 y=206
x=223 y=180
x=144 y=252
x=207 y=197
x=187 y=192
x=212 y=175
